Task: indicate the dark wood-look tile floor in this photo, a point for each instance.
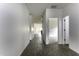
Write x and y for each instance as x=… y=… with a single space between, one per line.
x=37 y=48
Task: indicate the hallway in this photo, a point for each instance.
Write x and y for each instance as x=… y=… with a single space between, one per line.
x=22 y=25
x=37 y=48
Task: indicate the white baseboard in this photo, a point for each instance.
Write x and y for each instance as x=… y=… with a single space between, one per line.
x=21 y=50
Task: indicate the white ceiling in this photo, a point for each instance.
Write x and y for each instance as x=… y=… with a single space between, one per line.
x=36 y=9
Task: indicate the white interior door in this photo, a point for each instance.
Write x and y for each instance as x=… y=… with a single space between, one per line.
x=66 y=30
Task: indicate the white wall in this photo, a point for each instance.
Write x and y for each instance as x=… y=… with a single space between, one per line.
x=14 y=28
x=72 y=11
x=54 y=13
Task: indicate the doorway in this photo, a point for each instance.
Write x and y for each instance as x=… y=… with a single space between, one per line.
x=53 y=30
x=37 y=30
